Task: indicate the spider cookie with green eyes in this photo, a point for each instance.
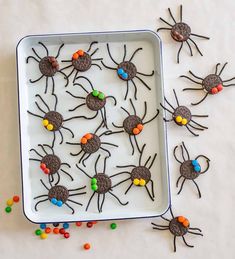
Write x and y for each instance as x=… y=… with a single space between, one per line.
x=95 y=100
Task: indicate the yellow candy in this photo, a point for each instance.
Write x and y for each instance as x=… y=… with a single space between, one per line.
x=178 y=119
x=50 y=127
x=10 y=202
x=142 y=182
x=184 y=121
x=43 y=236
x=136 y=181
x=45 y=123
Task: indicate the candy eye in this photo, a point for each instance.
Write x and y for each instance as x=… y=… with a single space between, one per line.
x=181 y=219
x=136 y=131
x=83 y=140
x=124 y=75
x=46 y=170
x=95 y=93
x=186 y=223
x=43 y=166
x=54 y=201
x=75 y=56
x=214 y=90
x=101 y=96
x=140 y=127
x=184 y=121
x=136 y=181
x=120 y=71
x=59 y=203
x=50 y=127
x=94 y=186
x=45 y=122
x=88 y=136
x=80 y=52
x=178 y=119
x=142 y=182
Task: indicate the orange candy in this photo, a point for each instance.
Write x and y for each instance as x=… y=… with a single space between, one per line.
x=186 y=223
x=83 y=140
x=56 y=230
x=88 y=136
x=75 y=55
x=47 y=230
x=140 y=127
x=87 y=246
x=181 y=219
x=136 y=131
x=80 y=52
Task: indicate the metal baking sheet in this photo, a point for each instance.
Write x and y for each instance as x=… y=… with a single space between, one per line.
x=33 y=133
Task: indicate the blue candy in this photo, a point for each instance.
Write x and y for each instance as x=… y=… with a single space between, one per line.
x=54 y=201
x=197 y=168
x=59 y=203
x=195 y=162
x=120 y=71
x=43 y=226
x=66 y=225
x=124 y=75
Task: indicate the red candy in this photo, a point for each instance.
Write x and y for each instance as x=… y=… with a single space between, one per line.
x=46 y=170
x=66 y=235
x=87 y=246
x=47 y=230
x=220 y=87
x=43 y=166
x=16 y=198
x=78 y=224
x=62 y=231
x=214 y=90
x=89 y=224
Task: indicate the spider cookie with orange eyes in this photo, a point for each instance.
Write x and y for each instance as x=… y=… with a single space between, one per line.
x=133 y=125
x=91 y=143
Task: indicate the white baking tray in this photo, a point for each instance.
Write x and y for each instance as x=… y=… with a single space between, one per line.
x=32 y=132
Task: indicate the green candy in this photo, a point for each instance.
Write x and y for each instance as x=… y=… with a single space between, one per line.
x=8 y=209
x=101 y=96
x=94 y=187
x=95 y=93
x=38 y=232
x=93 y=181
x=113 y=226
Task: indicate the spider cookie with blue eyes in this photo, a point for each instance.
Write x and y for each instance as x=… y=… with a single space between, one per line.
x=127 y=71
x=190 y=169
x=59 y=195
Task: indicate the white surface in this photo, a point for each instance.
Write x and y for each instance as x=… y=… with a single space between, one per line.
x=107 y=81
x=214 y=213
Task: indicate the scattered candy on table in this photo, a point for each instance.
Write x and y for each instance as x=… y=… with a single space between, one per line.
x=78 y=224
x=87 y=246
x=10 y=202
x=89 y=224
x=8 y=209
x=43 y=226
x=56 y=230
x=38 y=232
x=66 y=225
x=113 y=225
x=43 y=235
